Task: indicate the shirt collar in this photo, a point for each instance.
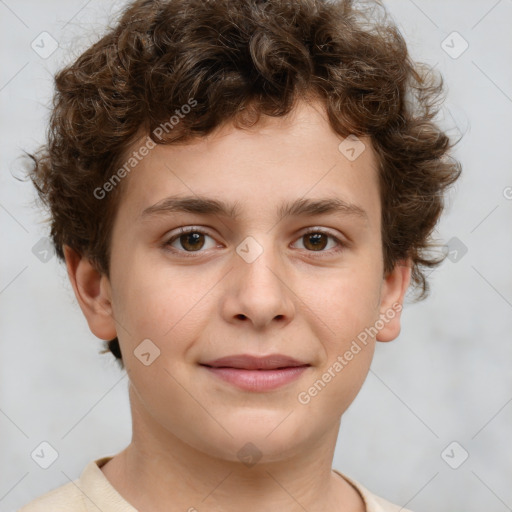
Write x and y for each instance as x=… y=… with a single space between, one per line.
x=100 y=495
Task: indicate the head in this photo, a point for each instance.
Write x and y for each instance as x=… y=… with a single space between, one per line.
x=262 y=120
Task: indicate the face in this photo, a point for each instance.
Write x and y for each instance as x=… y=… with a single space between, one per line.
x=291 y=266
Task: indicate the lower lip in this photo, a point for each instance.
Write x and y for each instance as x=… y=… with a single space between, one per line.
x=258 y=380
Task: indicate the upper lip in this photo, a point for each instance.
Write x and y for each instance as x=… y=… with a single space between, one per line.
x=249 y=362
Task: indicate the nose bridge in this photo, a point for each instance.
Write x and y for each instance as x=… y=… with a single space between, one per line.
x=259 y=292
x=259 y=259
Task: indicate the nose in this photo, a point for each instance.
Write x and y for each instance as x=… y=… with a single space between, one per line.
x=259 y=291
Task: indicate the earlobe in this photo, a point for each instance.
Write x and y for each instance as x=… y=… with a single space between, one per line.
x=93 y=293
x=393 y=290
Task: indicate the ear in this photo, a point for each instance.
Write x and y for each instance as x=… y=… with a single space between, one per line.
x=93 y=293
x=393 y=289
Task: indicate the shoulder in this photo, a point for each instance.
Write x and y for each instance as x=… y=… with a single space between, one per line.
x=67 y=498
x=91 y=491
x=373 y=502
x=385 y=505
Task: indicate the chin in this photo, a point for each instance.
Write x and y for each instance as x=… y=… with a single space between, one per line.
x=276 y=439
x=265 y=439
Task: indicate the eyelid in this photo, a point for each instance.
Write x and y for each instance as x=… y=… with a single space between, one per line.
x=340 y=240
x=183 y=230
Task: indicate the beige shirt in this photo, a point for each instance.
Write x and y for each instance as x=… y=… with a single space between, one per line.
x=92 y=492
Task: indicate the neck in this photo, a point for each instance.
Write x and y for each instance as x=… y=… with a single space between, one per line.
x=158 y=471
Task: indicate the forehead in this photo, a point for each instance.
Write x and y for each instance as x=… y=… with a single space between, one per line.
x=263 y=168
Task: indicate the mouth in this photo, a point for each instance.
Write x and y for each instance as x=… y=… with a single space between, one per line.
x=257 y=374
x=250 y=362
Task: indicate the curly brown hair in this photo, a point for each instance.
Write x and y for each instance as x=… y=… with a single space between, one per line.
x=239 y=59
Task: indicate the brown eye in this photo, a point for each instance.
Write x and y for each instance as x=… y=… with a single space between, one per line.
x=192 y=241
x=189 y=240
x=315 y=241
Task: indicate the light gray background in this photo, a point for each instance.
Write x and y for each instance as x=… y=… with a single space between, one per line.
x=446 y=378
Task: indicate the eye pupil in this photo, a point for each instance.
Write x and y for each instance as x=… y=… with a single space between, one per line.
x=190 y=240
x=318 y=243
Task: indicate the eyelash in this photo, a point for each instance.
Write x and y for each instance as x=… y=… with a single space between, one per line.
x=191 y=229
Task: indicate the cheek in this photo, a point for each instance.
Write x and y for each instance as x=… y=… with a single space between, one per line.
x=329 y=394
x=342 y=310
x=166 y=404
x=169 y=312
x=154 y=301
x=348 y=345
x=340 y=304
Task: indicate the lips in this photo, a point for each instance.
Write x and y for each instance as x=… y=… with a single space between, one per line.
x=249 y=362
x=256 y=374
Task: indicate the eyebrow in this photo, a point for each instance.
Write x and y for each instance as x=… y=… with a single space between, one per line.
x=210 y=206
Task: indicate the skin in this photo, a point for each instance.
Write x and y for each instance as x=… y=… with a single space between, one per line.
x=188 y=425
